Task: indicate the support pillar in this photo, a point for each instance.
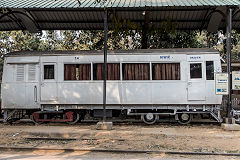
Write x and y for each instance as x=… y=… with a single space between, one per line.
x=105 y=65
x=229 y=60
x=104 y=125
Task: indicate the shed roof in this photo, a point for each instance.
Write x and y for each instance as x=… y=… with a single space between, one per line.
x=112 y=3
x=88 y=14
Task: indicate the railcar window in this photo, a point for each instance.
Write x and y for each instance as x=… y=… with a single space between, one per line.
x=113 y=71
x=48 y=71
x=209 y=70
x=166 y=71
x=196 y=70
x=136 y=71
x=77 y=72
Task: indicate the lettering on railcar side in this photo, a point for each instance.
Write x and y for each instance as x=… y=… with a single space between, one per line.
x=195 y=57
x=165 y=57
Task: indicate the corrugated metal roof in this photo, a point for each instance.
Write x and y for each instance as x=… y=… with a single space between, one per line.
x=111 y=3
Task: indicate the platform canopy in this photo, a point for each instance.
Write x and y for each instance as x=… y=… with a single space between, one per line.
x=36 y=15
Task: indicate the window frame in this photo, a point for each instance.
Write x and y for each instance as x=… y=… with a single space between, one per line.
x=91 y=70
x=55 y=71
x=202 y=69
x=121 y=71
x=213 y=70
x=161 y=62
x=110 y=62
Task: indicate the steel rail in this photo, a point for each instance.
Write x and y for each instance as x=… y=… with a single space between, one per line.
x=4 y=148
x=49 y=139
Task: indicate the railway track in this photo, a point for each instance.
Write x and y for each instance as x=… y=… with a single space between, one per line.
x=28 y=149
x=87 y=140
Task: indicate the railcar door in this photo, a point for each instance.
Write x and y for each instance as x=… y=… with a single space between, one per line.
x=21 y=86
x=48 y=83
x=196 y=81
x=32 y=86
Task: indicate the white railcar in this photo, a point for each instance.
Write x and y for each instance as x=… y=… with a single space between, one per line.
x=66 y=85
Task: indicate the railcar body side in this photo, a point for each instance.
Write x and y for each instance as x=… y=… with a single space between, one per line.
x=39 y=81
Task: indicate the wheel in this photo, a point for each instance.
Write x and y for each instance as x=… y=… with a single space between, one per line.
x=149 y=118
x=76 y=118
x=184 y=118
x=34 y=121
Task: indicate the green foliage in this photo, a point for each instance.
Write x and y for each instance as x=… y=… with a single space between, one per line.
x=179 y=39
x=127 y=35
x=217 y=40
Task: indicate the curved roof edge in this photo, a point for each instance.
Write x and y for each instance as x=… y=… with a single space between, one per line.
x=112 y=52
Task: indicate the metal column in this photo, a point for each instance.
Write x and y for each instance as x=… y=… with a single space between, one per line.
x=105 y=65
x=229 y=60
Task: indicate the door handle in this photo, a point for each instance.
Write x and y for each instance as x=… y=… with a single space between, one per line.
x=35 y=93
x=189 y=83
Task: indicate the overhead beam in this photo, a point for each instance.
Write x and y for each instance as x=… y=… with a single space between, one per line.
x=203 y=21
x=109 y=21
x=124 y=9
x=93 y=28
x=23 y=20
x=27 y=20
x=216 y=18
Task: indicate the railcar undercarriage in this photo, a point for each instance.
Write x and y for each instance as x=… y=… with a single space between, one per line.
x=74 y=113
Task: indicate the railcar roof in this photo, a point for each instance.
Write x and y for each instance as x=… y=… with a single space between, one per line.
x=117 y=52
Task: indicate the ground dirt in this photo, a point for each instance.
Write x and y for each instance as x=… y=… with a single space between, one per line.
x=164 y=137
x=85 y=155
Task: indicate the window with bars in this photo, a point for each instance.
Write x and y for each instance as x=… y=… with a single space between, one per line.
x=77 y=72
x=136 y=71
x=113 y=71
